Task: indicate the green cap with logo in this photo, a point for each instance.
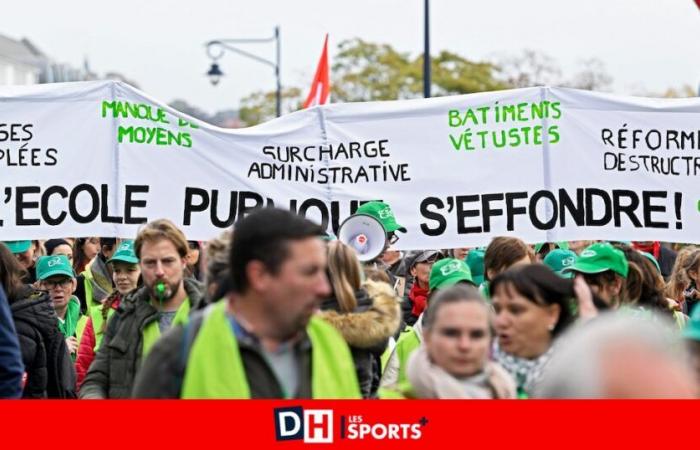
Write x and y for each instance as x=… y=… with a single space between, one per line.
x=125 y=253
x=48 y=266
x=600 y=257
x=475 y=261
x=383 y=213
x=448 y=272
x=558 y=260
x=18 y=246
x=692 y=328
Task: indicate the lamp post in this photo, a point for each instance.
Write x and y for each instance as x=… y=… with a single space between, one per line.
x=217 y=47
x=426 y=52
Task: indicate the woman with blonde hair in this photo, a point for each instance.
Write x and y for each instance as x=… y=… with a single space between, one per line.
x=366 y=313
x=678 y=282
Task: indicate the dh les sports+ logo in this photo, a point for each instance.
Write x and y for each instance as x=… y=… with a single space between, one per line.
x=316 y=426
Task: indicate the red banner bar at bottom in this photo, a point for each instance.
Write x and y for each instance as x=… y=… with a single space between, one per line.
x=361 y=424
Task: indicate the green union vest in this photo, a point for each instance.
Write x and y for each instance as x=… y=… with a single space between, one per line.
x=215 y=369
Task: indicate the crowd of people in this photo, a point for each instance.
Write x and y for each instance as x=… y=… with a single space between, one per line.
x=276 y=308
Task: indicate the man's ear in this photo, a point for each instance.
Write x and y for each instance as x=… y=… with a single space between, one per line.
x=257 y=275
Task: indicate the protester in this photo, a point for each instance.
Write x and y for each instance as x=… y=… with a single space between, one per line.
x=383 y=213
x=605 y=270
x=619 y=356
x=366 y=314
x=559 y=259
x=663 y=255
x=453 y=361
x=126 y=274
x=55 y=276
x=678 y=281
x=48 y=370
x=164 y=299
x=84 y=251
x=417 y=297
x=443 y=274
x=24 y=252
x=645 y=287
x=459 y=252
x=578 y=246
x=193 y=261
x=691 y=267
x=475 y=261
x=263 y=340
x=216 y=278
x=501 y=254
x=95 y=282
x=11 y=367
x=533 y=306
x=59 y=247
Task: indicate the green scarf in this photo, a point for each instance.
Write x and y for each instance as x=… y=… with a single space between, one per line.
x=69 y=324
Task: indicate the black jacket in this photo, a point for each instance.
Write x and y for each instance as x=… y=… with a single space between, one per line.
x=112 y=373
x=48 y=366
x=367 y=330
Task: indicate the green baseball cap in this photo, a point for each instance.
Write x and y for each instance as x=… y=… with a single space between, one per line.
x=559 y=259
x=383 y=213
x=448 y=272
x=475 y=261
x=18 y=246
x=692 y=328
x=48 y=266
x=600 y=257
x=125 y=253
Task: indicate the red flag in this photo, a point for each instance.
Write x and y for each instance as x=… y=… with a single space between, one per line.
x=697 y=2
x=321 y=86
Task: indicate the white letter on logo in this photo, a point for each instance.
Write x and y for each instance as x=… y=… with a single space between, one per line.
x=318 y=426
x=283 y=423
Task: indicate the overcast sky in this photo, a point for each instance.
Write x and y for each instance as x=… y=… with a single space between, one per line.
x=646 y=45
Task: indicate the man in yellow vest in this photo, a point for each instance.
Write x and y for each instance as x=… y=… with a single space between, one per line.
x=164 y=299
x=263 y=339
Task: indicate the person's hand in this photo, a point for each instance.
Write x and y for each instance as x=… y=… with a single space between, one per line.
x=584 y=296
x=72 y=343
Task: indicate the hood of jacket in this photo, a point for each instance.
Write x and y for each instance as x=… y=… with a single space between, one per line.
x=376 y=318
x=35 y=307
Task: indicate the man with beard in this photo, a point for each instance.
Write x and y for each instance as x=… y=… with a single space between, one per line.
x=164 y=299
x=263 y=339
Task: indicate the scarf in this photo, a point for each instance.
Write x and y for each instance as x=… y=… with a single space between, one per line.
x=526 y=372
x=419 y=299
x=101 y=280
x=69 y=324
x=431 y=381
x=654 y=248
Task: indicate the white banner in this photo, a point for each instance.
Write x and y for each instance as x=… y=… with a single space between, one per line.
x=543 y=164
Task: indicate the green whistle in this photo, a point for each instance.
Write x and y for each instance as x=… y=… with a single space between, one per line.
x=160 y=290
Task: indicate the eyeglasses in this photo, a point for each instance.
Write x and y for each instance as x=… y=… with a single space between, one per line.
x=193 y=245
x=393 y=238
x=50 y=284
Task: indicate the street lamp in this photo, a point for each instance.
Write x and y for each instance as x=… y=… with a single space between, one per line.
x=217 y=48
x=426 y=50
